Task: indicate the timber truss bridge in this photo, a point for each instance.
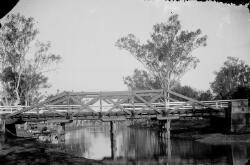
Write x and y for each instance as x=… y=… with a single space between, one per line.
x=113 y=106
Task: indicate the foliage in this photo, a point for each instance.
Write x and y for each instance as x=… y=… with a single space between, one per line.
x=242 y=92
x=167 y=55
x=21 y=67
x=186 y=91
x=233 y=75
x=192 y=93
x=142 y=80
x=205 y=95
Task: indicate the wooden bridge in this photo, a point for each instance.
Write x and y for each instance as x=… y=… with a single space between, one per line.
x=115 y=106
x=119 y=105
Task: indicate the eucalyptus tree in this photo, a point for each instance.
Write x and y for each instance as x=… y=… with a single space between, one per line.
x=167 y=55
x=234 y=75
x=23 y=60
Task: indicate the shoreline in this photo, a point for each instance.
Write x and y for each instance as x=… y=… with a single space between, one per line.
x=30 y=151
x=213 y=138
x=200 y=131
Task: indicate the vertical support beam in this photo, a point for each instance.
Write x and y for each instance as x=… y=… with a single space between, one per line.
x=133 y=100
x=68 y=101
x=62 y=129
x=169 y=148
x=167 y=127
x=25 y=126
x=2 y=123
x=112 y=139
x=164 y=138
x=167 y=136
x=100 y=102
x=228 y=118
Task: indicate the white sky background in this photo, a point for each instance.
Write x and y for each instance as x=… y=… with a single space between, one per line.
x=84 y=33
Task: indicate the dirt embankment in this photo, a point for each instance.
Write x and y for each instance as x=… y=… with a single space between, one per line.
x=28 y=152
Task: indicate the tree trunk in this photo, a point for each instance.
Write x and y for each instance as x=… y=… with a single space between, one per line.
x=17 y=97
x=166 y=93
x=17 y=86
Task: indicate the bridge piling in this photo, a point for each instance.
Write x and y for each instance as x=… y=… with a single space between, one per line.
x=167 y=128
x=61 y=129
x=2 y=124
x=228 y=118
x=165 y=125
x=112 y=139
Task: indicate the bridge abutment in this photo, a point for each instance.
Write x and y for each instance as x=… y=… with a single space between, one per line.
x=237 y=116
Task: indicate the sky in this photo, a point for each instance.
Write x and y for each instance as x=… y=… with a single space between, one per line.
x=84 y=33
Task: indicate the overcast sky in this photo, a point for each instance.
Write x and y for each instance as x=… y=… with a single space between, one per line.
x=84 y=32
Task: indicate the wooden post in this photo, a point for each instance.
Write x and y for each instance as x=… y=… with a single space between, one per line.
x=228 y=118
x=100 y=102
x=133 y=100
x=25 y=126
x=167 y=127
x=2 y=124
x=169 y=147
x=62 y=128
x=112 y=139
x=167 y=136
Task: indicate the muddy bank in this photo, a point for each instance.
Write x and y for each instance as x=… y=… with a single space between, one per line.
x=198 y=130
x=213 y=138
x=29 y=151
x=224 y=139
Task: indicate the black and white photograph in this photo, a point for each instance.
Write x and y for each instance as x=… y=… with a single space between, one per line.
x=124 y=82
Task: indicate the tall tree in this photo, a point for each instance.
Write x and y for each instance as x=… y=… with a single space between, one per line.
x=142 y=80
x=167 y=54
x=233 y=74
x=21 y=67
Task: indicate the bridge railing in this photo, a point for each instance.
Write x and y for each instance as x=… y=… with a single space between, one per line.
x=218 y=104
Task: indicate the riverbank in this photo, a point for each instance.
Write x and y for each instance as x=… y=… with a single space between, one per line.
x=213 y=138
x=23 y=151
x=198 y=130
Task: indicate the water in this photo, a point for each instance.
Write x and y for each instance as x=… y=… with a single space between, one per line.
x=143 y=146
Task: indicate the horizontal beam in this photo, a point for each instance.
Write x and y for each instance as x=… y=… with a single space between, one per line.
x=114 y=93
x=139 y=94
x=167 y=117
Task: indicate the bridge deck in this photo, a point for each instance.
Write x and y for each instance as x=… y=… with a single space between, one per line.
x=121 y=104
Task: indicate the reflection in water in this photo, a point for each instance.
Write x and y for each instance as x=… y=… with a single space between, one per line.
x=142 y=146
